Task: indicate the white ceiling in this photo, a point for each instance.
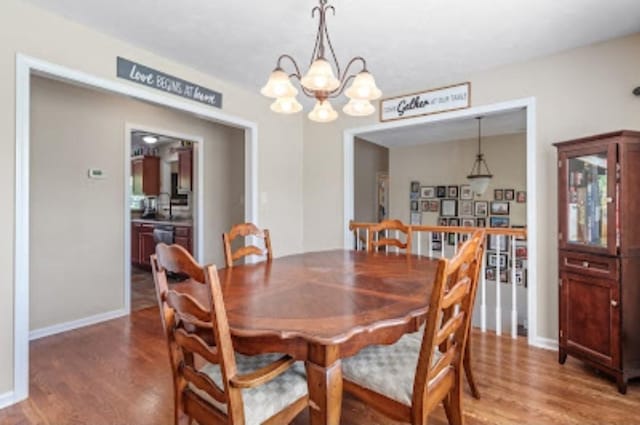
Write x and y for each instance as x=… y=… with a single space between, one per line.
x=409 y=44
x=497 y=124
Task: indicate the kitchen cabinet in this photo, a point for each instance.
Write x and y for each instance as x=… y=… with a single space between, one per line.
x=147 y=244
x=145 y=173
x=599 y=253
x=182 y=237
x=143 y=244
x=185 y=170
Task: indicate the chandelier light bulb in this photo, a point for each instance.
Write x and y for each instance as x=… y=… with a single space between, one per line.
x=358 y=108
x=286 y=105
x=320 y=77
x=363 y=87
x=323 y=112
x=279 y=85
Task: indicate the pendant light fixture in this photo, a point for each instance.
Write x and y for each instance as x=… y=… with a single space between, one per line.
x=320 y=81
x=479 y=179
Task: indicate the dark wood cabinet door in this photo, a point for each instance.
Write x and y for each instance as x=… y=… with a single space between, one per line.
x=137 y=170
x=147 y=248
x=185 y=171
x=590 y=318
x=135 y=243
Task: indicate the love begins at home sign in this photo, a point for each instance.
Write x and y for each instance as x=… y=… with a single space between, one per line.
x=434 y=101
x=150 y=77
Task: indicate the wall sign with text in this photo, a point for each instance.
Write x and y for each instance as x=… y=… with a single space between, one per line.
x=158 y=80
x=428 y=102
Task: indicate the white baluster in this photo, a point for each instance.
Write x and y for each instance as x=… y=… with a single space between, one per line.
x=386 y=235
x=483 y=293
x=498 y=297
x=367 y=235
x=357 y=234
x=418 y=235
x=430 y=243
x=514 y=288
x=398 y=238
x=455 y=243
x=442 y=244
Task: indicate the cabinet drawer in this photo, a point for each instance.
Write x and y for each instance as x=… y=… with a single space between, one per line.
x=182 y=231
x=592 y=265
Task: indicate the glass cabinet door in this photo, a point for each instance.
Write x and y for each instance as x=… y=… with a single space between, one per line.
x=589 y=201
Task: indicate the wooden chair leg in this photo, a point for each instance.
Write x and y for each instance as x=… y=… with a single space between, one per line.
x=454 y=411
x=467 y=371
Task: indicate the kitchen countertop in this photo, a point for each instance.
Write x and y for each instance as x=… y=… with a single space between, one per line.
x=175 y=222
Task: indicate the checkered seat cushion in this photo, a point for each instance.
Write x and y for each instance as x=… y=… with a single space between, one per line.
x=387 y=369
x=264 y=401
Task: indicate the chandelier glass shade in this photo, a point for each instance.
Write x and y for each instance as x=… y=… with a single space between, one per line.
x=324 y=80
x=479 y=177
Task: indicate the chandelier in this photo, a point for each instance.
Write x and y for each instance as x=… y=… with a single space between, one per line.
x=479 y=179
x=320 y=82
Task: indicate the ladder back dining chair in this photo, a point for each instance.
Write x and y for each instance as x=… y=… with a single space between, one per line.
x=243 y=230
x=409 y=379
x=386 y=227
x=212 y=384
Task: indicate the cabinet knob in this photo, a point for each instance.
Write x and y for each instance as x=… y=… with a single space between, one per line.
x=609 y=199
x=585 y=264
x=614 y=303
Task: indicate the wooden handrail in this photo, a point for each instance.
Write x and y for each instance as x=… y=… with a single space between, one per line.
x=519 y=233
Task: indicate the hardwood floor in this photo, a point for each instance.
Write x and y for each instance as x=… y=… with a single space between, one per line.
x=143 y=290
x=118 y=373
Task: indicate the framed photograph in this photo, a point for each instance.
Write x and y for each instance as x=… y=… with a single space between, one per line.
x=492 y=260
x=436 y=237
x=466 y=192
x=443 y=221
x=500 y=208
x=452 y=191
x=434 y=206
x=481 y=222
x=521 y=196
x=455 y=222
x=520 y=278
x=468 y=222
x=499 y=222
x=493 y=243
x=498 y=194
x=451 y=238
x=424 y=206
x=449 y=208
x=490 y=274
x=415 y=206
x=441 y=191
x=466 y=209
x=521 y=251
x=428 y=192
x=416 y=218
x=414 y=196
x=509 y=194
x=481 y=208
x=519 y=263
x=436 y=246
x=415 y=187
x=504 y=276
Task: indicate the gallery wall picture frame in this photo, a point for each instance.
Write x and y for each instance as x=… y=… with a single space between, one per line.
x=520 y=278
x=481 y=222
x=452 y=192
x=481 y=208
x=495 y=239
x=521 y=251
x=490 y=274
x=451 y=238
x=468 y=222
x=454 y=222
x=492 y=260
x=415 y=206
x=443 y=221
x=424 y=206
x=436 y=246
x=498 y=194
x=521 y=196
x=499 y=222
x=466 y=192
x=449 y=208
x=500 y=208
x=415 y=187
x=428 y=192
x=416 y=218
x=466 y=208
x=509 y=194
x=434 y=206
x=441 y=191
x=436 y=237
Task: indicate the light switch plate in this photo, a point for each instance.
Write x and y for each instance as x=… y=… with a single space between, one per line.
x=96 y=173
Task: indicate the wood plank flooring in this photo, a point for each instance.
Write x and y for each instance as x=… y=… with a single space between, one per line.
x=117 y=373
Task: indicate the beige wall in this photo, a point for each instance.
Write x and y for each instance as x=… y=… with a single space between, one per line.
x=369 y=160
x=448 y=163
x=579 y=92
x=32 y=31
x=77 y=223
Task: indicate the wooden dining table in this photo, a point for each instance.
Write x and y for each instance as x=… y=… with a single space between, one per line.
x=320 y=307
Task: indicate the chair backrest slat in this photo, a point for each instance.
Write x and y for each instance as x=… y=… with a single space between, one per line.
x=243 y=230
x=374 y=243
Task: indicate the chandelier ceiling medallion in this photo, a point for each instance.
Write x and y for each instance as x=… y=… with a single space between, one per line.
x=478 y=178
x=320 y=82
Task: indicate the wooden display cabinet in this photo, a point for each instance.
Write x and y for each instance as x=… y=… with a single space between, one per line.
x=599 y=252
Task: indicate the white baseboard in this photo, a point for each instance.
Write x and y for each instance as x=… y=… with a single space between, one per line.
x=546 y=343
x=7 y=399
x=75 y=324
